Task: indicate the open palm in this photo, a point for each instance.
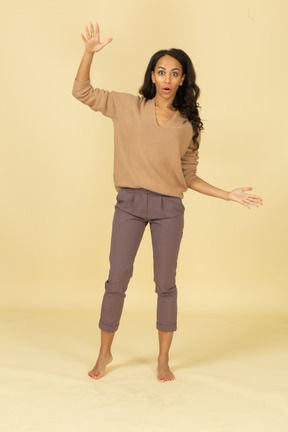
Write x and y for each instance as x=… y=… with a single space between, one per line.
x=92 y=39
x=246 y=199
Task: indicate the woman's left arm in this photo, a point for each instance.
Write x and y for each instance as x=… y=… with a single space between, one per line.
x=239 y=195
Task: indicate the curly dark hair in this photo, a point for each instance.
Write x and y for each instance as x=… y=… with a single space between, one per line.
x=186 y=97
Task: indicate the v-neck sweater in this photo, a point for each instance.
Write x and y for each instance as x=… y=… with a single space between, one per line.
x=159 y=158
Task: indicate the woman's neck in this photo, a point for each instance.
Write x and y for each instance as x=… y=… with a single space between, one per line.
x=163 y=104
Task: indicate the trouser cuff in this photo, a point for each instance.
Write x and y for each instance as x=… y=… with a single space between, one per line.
x=166 y=327
x=108 y=328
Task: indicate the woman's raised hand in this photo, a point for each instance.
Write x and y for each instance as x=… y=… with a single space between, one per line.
x=246 y=199
x=92 y=39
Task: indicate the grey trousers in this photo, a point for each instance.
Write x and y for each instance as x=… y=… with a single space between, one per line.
x=133 y=210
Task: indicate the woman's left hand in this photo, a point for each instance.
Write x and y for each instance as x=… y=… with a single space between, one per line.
x=246 y=199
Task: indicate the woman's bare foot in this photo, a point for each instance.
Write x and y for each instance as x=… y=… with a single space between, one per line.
x=164 y=372
x=99 y=369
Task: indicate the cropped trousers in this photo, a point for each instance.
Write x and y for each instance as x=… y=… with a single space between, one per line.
x=135 y=208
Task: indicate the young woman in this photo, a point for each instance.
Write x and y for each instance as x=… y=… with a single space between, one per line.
x=156 y=145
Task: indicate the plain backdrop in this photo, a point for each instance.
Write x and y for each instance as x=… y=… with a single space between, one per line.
x=57 y=192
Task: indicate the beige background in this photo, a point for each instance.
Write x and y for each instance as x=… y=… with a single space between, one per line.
x=57 y=193
x=57 y=155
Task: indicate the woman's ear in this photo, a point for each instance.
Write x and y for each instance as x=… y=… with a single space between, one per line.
x=182 y=80
x=153 y=77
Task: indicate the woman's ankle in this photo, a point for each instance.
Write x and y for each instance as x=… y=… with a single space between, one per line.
x=163 y=358
x=105 y=352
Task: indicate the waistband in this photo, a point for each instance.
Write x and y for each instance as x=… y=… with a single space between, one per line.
x=148 y=192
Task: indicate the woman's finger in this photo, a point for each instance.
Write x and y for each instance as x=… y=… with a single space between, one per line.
x=97 y=31
x=244 y=204
x=106 y=42
x=255 y=200
x=257 y=197
x=252 y=200
x=252 y=203
x=87 y=32
x=83 y=37
x=91 y=29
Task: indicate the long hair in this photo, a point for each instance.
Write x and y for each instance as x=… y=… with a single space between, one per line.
x=186 y=97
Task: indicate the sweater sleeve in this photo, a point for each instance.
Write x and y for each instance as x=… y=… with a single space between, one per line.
x=189 y=162
x=96 y=99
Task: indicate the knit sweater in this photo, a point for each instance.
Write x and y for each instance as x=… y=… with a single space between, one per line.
x=161 y=159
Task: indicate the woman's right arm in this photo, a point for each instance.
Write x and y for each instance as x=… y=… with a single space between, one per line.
x=92 y=45
x=96 y=99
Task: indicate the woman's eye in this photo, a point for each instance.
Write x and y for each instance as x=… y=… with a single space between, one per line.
x=175 y=74
x=161 y=72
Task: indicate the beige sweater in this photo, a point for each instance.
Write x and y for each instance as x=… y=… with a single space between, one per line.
x=146 y=155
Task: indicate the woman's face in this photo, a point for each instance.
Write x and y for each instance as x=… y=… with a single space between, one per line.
x=167 y=77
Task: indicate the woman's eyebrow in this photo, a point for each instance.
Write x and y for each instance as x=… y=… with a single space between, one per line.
x=162 y=67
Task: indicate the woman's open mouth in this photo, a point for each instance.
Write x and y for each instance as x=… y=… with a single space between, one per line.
x=166 y=89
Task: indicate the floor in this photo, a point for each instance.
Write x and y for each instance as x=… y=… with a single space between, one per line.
x=231 y=374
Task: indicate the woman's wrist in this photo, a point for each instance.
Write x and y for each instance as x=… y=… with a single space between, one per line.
x=220 y=193
x=89 y=54
x=227 y=195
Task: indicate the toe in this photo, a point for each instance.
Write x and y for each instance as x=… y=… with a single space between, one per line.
x=95 y=375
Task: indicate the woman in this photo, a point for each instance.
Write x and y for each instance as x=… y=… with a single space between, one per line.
x=157 y=138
